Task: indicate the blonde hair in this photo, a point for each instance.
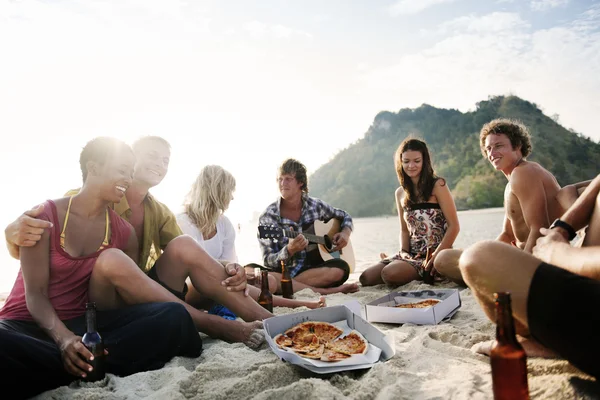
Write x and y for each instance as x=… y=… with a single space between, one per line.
x=209 y=197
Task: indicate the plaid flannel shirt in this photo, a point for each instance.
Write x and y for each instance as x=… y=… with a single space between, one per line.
x=313 y=209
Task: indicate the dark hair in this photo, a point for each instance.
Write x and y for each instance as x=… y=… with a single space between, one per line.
x=100 y=149
x=296 y=168
x=145 y=139
x=516 y=132
x=427 y=178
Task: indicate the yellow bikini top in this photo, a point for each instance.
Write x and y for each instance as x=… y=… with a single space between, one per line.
x=62 y=234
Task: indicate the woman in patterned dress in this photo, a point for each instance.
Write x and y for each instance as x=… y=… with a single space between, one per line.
x=428 y=218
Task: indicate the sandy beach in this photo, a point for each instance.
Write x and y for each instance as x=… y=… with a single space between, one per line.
x=431 y=362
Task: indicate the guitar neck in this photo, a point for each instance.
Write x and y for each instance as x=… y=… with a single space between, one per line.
x=308 y=236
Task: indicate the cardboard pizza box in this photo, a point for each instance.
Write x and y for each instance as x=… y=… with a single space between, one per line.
x=383 y=310
x=347 y=317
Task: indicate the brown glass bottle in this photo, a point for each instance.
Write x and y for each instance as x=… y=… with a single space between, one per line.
x=507 y=358
x=93 y=341
x=427 y=275
x=287 y=288
x=265 y=298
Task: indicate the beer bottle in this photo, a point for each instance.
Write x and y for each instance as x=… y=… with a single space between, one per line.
x=287 y=288
x=507 y=358
x=427 y=275
x=93 y=342
x=265 y=298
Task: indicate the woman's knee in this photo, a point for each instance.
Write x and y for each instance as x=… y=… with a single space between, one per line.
x=111 y=261
x=371 y=276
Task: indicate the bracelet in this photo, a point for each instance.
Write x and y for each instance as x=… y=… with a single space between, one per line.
x=562 y=224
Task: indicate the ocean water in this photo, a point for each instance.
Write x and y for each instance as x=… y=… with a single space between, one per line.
x=371 y=236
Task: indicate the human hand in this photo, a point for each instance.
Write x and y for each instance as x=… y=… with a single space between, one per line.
x=27 y=229
x=297 y=244
x=547 y=243
x=237 y=281
x=74 y=355
x=340 y=240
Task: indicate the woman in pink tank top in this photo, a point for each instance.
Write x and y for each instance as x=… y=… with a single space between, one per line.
x=52 y=287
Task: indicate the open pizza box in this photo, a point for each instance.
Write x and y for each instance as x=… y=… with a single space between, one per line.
x=384 y=309
x=346 y=317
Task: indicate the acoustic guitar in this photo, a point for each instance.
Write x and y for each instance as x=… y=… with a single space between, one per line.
x=320 y=234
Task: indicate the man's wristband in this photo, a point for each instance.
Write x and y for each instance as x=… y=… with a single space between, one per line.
x=562 y=224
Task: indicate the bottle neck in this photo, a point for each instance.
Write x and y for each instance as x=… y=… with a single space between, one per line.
x=265 y=281
x=90 y=318
x=505 y=325
x=285 y=273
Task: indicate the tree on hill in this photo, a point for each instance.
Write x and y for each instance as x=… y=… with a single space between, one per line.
x=361 y=179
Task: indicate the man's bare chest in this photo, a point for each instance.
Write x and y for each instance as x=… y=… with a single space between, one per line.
x=136 y=219
x=512 y=206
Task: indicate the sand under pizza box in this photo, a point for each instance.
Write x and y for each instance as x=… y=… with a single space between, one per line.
x=386 y=309
x=345 y=317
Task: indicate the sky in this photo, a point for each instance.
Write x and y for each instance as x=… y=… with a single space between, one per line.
x=246 y=83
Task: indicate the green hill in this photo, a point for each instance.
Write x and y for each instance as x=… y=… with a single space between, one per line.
x=361 y=179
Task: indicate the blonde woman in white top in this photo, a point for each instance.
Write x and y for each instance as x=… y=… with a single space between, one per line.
x=203 y=219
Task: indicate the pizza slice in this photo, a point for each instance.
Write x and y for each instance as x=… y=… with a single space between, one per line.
x=420 y=304
x=283 y=341
x=314 y=354
x=352 y=343
x=307 y=344
x=326 y=332
x=330 y=355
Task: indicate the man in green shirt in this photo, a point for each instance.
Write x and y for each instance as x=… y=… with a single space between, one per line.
x=166 y=255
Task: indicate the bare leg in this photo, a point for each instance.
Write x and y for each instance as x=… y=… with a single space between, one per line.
x=446 y=263
x=592 y=234
x=492 y=266
x=372 y=275
x=116 y=280
x=398 y=273
x=298 y=286
x=184 y=258
x=320 y=277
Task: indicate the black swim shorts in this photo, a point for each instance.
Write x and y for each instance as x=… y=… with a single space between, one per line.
x=179 y=294
x=563 y=315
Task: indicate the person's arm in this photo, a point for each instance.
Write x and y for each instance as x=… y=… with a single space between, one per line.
x=404 y=233
x=273 y=252
x=507 y=235
x=568 y=194
x=229 y=252
x=25 y=231
x=327 y=212
x=133 y=248
x=529 y=190
x=35 y=267
x=579 y=214
x=448 y=207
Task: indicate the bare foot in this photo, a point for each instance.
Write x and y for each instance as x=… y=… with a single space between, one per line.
x=315 y=304
x=249 y=333
x=345 y=288
x=382 y=256
x=531 y=347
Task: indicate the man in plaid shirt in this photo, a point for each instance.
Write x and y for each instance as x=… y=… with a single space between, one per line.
x=296 y=210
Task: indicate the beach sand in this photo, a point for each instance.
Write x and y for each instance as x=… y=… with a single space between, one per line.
x=431 y=362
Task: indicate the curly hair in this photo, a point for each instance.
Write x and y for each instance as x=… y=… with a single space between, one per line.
x=209 y=197
x=427 y=178
x=517 y=133
x=296 y=168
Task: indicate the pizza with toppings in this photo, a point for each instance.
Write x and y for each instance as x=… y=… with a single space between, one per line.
x=420 y=304
x=321 y=341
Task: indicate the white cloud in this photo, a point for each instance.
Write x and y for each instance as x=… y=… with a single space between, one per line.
x=411 y=7
x=260 y=30
x=542 y=5
x=558 y=68
x=494 y=22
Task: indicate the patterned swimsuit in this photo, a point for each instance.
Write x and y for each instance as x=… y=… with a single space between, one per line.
x=427 y=227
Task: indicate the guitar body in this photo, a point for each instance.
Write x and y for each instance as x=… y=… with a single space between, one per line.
x=319 y=253
x=320 y=238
